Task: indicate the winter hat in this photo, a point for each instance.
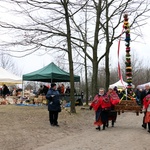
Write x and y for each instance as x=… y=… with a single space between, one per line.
x=52 y=85
x=111 y=87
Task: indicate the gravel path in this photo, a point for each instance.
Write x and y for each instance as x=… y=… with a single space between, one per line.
x=27 y=128
x=126 y=135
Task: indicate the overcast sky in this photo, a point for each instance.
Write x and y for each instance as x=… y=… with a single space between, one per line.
x=141 y=48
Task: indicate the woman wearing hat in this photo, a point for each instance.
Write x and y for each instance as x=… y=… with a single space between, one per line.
x=114 y=99
x=101 y=105
x=53 y=105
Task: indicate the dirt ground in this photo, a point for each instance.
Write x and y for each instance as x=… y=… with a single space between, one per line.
x=27 y=128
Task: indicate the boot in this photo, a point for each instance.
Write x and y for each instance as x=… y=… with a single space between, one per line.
x=107 y=124
x=149 y=127
x=144 y=125
x=112 y=124
x=51 y=124
x=104 y=125
x=98 y=128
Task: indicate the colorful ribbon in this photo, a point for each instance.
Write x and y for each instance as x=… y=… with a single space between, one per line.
x=119 y=68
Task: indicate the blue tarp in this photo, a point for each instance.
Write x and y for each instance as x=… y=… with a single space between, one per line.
x=28 y=105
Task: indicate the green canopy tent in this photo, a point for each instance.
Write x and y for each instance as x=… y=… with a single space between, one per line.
x=50 y=73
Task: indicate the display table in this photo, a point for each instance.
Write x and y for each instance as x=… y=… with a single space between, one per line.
x=128 y=105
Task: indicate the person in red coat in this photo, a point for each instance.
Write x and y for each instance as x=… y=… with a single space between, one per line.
x=144 y=93
x=114 y=99
x=101 y=105
x=146 y=108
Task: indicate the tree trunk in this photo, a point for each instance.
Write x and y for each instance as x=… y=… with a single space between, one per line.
x=95 y=51
x=86 y=83
x=85 y=61
x=94 y=77
x=107 y=71
x=72 y=99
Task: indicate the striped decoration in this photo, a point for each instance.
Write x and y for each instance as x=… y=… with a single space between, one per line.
x=126 y=27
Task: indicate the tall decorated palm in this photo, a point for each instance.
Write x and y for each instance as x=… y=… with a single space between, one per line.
x=126 y=27
x=129 y=103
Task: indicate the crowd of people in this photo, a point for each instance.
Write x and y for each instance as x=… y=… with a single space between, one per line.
x=60 y=87
x=42 y=90
x=7 y=91
x=104 y=105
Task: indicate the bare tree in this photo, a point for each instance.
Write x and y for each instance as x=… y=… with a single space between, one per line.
x=114 y=10
x=107 y=18
x=49 y=33
x=7 y=63
x=50 y=25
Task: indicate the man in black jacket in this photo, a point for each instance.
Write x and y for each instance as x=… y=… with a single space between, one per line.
x=145 y=92
x=53 y=104
x=5 y=91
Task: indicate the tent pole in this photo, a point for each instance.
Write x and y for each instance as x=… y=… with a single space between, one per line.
x=126 y=94
x=22 y=89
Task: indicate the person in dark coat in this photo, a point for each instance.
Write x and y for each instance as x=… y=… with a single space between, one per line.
x=123 y=95
x=116 y=89
x=138 y=93
x=53 y=104
x=144 y=93
x=67 y=90
x=1 y=92
x=45 y=89
x=40 y=90
x=5 y=91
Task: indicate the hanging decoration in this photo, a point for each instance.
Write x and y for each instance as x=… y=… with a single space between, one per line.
x=119 y=68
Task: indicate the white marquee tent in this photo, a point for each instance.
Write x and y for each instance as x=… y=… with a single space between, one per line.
x=142 y=86
x=120 y=84
x=9 y=78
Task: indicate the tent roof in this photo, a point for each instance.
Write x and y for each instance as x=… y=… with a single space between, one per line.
x=50 y=73
x=142 y=86
x=119 y=84
x=8 y=78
